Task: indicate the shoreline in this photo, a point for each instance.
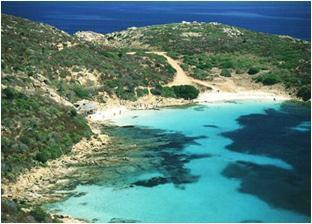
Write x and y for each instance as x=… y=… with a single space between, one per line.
x=35 y=185
x=40 y=184
x=155 y=103
x=215 y=96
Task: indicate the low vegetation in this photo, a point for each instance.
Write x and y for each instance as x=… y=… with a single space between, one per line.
x=253 y=71
x=33 y=48
x=203 y=46
x=268 y=79
x=186 y=92
x=35 y=129
x=304 y=92
x=141 y=92
x=226 y=72
x=12 y=212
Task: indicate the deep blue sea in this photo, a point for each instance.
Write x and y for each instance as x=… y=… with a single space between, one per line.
x=288 y=18
x=223 y=162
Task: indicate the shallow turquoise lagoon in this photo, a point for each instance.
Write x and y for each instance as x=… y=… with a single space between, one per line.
x=250 y=163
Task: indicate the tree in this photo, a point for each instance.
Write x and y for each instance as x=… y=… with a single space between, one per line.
x=253 y=71
x=304 y=92
x=226 y=73
x=270 y=79
x=43 y=156
x=10 y=93
x=187 y=92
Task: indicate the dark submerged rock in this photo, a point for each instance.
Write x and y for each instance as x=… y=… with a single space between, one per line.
x=272 y=134
x=155 y=181
x=210 y=126
x=121 y=220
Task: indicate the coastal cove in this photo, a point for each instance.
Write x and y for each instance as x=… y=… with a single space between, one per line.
x=186 y=121
x=212 y=165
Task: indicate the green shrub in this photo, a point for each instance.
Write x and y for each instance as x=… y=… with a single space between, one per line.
x=156 y=92
x=80 y=91
x=173 y=54
x=73 y=112
x=239 y=71
x=39 y=214
x=76 y=69
x=10 y=93
x=268 y=79
x=183 y=91
x=43 y=156
x=170 y=70
x=162 y=91
x=51 y=152
x=227 y=64
x=167 y=92
x=225 y=73
x=64 y=73
x=141 y=92
x=304 y=92
x=125 y=94
x=199 y=74
x=253 y=71
x=187 y=92
x=6 y=144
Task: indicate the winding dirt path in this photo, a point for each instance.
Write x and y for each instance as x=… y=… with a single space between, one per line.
x=220 y=84
x=181 y=78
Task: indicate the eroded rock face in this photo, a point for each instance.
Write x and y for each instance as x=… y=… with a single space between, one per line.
x=90 y=36
x=86 y=106
x=232 y=31
x=35 y=186
x=115 y=39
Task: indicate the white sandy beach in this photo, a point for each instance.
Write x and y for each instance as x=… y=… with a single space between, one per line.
x=215 y=96
x=113 y=112
x=108 y=114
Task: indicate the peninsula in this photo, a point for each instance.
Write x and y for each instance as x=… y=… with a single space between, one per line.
x=60 y=92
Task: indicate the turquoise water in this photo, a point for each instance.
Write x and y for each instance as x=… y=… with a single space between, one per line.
x=234 y=177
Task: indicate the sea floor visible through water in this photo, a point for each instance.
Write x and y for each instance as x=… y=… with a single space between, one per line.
x=221 y=162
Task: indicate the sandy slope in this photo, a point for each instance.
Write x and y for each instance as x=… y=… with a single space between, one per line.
x=181 y=78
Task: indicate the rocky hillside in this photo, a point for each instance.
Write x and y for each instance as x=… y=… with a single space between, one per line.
x=77 y=69
x=202 y=47
x=45 y=72
x=32 y=122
